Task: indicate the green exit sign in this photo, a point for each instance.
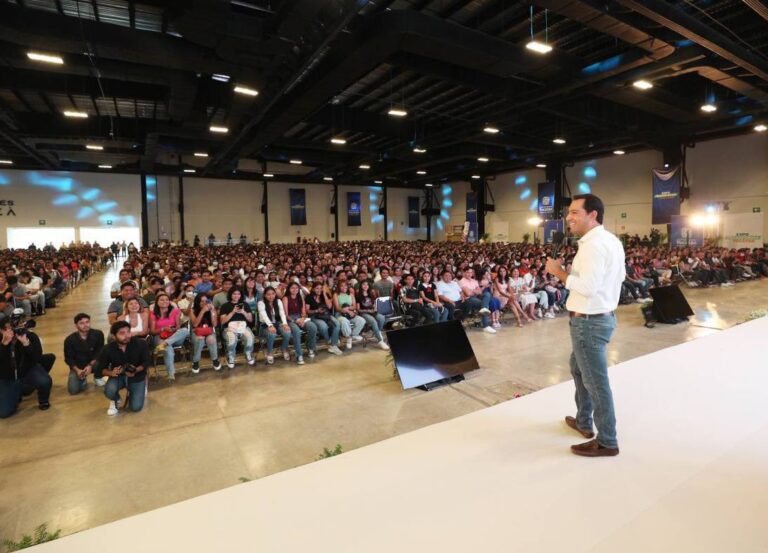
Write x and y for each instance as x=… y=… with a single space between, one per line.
x=41 y=222
x=109 y=222
x=623 y=215
x=755 y=210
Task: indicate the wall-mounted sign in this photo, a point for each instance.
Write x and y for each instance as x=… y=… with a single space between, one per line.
x=109 y=221
x=623 y=215
x=755 y=210
x=41 y=222
x=6 y=208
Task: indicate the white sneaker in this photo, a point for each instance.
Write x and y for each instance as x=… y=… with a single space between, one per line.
x=556 y=308
x=357 y=339
x=383 y=345
x=112 y=411
x=549 y=315
x=312 y=354
x=539 y=313
x=640 y=300
x=286 y=356
x=270 y=360
x=489 y=330
x=335 y=350
x=484 y=311
x=349 y=343
x=100 y=382
x=250 y=359
x=231 y=362
x=300 y=360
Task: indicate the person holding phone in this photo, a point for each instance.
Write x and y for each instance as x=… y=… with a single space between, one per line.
x=204 y=321
x=165 y=326
x=236 y=319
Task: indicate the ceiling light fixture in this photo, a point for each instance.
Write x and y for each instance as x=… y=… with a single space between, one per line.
x=365 y=167
x=541 y=165
x=483 y=159
x=619 y=152
x=221 y=130
x=539 y=47
x=189 y=170
x=377 y=182
x=397 y=112
x=421 y=172
x=761 y=128
x=6 y=162
x=418 y=150
x=328 y=179
x=221 y=78
x=267 y=175
x=47 y=58
x=338 y=140
x=642 y=84
x=78 y=114
x=201 y=154
x=94 y=147
x=245 y=91
x=559 y=140
x=105 y=167
x=476 y=177
x=295 y=162
x=708 y=108
x=491 y=130
x=428 y=185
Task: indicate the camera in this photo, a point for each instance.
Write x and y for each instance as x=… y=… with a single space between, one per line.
x=129 y=369
x=20 y=327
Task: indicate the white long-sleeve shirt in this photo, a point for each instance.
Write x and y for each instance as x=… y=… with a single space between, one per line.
x=597 y=273
x=264 y=319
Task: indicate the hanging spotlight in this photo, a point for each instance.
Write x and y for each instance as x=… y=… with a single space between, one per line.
x=642 y=84
x=483 y=159
x=708 y=107
x=338 y=140
x=189 y=171
x=328 y=179
x=417 y=150
x=295 y=162
x=539 y=47
x=491 y=130
x=421 y=172
x=244 y=90
x=105 y=167
x=6 y=162
x=559 y=140
x=761 y=128
x=476 y=177
x=76 y=114
x=428 y=185
x=397 y=112
x=365 y=167
x=619 y=152
x=201 y=154
x=377 y=182
x=217 y=129
x=95 y=147
x=47 y=58
x=541 y=165
x=267 y=175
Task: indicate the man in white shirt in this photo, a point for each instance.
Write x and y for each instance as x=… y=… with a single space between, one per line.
x=595 y=286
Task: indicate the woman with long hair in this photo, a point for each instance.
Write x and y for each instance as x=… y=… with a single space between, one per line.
x=165 y=326
x=273 y=321
x=296 y=314
x=345 y=307
x=428 y=293
x=138 y=319
x=204 y=321
x=506 y=295
x=366 y=304
x=319 y=308
x=236 y=320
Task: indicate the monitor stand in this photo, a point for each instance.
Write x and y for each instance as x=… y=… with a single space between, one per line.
x=440 y=383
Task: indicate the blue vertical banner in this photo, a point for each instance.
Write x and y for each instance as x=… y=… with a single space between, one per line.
x=353 y=209
x=666 y=195
x=547 y=200
x=298 y=203
x=550 y=228
x=682 y=233
x=414 y=218
x=472 y=217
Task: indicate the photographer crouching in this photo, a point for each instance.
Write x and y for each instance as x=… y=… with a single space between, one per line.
x=23 y=366
x=124 y=361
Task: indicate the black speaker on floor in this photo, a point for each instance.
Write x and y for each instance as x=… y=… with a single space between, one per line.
x=431 y=355
x=669 y=305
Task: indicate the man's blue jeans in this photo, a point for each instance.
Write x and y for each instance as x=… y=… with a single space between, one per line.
x=137 y=391
x=589 y=368
x=475 y=304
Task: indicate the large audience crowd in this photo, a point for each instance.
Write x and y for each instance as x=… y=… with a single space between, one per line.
x=294 y=295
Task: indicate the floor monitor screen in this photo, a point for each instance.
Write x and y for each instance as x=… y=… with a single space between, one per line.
x=432 y=352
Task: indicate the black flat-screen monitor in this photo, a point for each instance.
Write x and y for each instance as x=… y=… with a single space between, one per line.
x=669 y=304
x=429 y=353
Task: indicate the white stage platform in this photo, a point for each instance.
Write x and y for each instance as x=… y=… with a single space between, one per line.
x=692 y=476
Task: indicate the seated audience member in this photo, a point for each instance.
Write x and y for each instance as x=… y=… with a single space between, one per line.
x=296 y=314
x=345 y=308
x=124 y=361
x=21 y=297
x=319 y=308
x=22 y=370
x=476 y=299
x=6 y=309
x=412 y=302
x=528 y=300
x=273 y=321
x=36 y=296
x=136 y=317
x=222 y=297
x=204 y=321
x=251 y=294
x=428 y=294
x=185 y=303
x=165 y=326
x=366 y=305
x=124 y=276
x=506 y=296
x=205 y=286
x=155 y=287
x=115 y=309
x=536 y=285
x=383 y=284
x=236 y=319
x=81 y=351
x=486 y=283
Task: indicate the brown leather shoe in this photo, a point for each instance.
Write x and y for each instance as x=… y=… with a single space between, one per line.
x=594 y=449
x=570 y=421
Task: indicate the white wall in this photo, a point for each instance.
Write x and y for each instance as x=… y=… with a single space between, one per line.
x=731 y=170
x=221 y=206
x=64 y=199
x=163 y=218
x=515 y=196
x=319 y=218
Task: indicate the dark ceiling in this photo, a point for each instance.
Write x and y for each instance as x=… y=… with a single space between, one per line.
x=334 y=68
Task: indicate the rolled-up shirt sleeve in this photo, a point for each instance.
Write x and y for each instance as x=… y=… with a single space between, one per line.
x=591 y=272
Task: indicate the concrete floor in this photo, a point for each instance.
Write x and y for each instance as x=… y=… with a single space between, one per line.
x=74 y=468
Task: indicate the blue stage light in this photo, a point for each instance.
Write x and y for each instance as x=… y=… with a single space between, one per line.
x=589 y=172
x=525 y=194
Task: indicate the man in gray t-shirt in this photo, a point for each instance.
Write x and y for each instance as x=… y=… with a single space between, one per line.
x=384 y=285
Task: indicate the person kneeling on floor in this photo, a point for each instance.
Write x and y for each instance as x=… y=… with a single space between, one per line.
x=23 y=368
x=81 y=350
x=124 y=361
